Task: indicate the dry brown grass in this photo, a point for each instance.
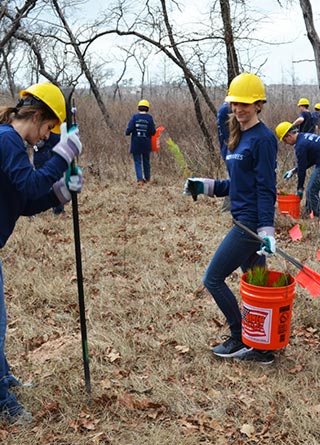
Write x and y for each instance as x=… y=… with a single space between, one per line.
x=150 y=328
x=150 y=322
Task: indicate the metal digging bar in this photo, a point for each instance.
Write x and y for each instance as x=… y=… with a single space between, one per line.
x=67 y=92
x=312 y=274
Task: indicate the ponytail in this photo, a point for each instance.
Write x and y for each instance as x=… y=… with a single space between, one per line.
x=7 y=114
x=234 y=133
x=25 y=109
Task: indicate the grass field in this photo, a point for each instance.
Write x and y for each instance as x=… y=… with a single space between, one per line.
x=150 y=328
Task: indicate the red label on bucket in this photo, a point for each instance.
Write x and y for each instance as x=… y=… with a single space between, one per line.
x=256 y=323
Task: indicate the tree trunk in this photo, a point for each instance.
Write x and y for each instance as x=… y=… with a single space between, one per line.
x=232 y=58
x=312 y=33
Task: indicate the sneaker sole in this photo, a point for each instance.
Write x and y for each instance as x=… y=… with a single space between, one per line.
x=235 y=354
x=260 y=362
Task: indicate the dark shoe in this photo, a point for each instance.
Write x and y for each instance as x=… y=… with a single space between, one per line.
x=59 y=211
x=140 y=182
x=258 y=355
x=13 y=412
x=232 y=347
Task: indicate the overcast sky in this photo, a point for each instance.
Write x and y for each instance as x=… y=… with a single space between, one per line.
x=284 y=62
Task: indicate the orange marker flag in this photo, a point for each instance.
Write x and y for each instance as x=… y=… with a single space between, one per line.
x=310 y=280
x=295 y=232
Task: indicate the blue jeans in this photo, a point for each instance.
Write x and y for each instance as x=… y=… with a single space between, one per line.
x=312 y=192
x=238 y=249
x=4 y=367
x=142 y=161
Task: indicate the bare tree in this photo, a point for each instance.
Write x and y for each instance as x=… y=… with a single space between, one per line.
x=232 y=58
x=83 y=65
x=311 y=33
x=8 y=32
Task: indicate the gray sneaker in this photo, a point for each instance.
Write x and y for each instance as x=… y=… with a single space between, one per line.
x=14 y=413
x=232 y=347
x=258 y=355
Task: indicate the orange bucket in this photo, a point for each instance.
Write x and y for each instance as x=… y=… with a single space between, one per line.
x=266 y=313
x=289 y=205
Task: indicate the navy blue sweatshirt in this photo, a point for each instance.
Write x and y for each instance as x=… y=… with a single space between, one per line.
x=23 y=190
x=307 y=150
x=252 y=184
x=141 y=127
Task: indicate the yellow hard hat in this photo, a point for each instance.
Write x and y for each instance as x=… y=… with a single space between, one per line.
x=317 y=106
x=246 y=88
x=282 y=129
x=303 y=101
x=143 y=103
x=52 y=96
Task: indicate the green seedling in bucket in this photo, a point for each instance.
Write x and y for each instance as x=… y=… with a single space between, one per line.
x=259 y=276
x=307 y=278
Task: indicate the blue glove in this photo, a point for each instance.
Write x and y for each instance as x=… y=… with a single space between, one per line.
x=198 y=186
x=268 y=247
x=68 y=183
x=289 y=173
x=299 y=193
x=70 y=145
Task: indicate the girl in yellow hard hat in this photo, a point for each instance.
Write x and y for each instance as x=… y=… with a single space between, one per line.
x=251 y=160
x=25 y=191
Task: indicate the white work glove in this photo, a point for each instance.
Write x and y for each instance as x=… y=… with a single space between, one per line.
x=289 y=173
x=198 y=186
x=68 y=183
x=69 y=145
x=269 y=247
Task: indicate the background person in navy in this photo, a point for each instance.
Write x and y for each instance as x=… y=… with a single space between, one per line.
x=316 y=117
x=25 y=191
x=305 y=120
x=251 y=160
x=141 y=127
x=307 y=154
x=42 y=152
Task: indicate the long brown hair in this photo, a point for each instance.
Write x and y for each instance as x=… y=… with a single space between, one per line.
x=25 y=109
x=234 y=133
x=234 y=128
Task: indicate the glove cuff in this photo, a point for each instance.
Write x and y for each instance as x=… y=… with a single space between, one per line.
x=266 y=231
x=61 y=191
x=208 y=186
x=65 y=151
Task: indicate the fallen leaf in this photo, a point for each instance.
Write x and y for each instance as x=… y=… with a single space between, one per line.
x=247 y=429
x=182 y=349
x=113 y=356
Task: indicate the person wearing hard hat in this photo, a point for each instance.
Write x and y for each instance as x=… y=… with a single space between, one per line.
x=304 y=121
x=25 y=191
x=316 y=117
x=307 y=154
x=251 y=159
x=141 y=127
